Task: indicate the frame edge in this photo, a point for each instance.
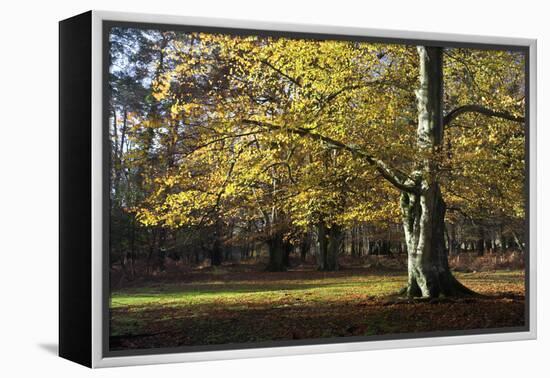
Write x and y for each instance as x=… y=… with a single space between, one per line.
x=98 y=360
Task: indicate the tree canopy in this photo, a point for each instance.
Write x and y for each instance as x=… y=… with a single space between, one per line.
x=278 y=137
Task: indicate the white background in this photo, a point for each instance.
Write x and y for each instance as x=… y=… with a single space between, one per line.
x=28 y=198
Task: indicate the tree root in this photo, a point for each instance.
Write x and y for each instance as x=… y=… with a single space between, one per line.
x=458 y=290
x=454 y=289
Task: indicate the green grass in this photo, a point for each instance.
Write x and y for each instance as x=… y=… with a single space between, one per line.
x=297 y=305
x=312 y=290
x=325 y=289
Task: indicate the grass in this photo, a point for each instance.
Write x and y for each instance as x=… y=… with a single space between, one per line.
x=234 y=308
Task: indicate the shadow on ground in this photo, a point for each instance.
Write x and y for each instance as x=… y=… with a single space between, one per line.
x=51 y=348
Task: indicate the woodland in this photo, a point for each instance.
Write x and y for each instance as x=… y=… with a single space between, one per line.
x=269 y=188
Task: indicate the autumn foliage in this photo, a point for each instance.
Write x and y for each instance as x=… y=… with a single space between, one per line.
x=233 y=148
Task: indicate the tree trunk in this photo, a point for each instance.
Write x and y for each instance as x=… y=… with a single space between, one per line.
x=304 y=247
x=216 y=252
x=287 y=249
x=423 y=208
x=161 y=251
x=330 y=241
x=499 y=242
x=276 y=254
x=518 y=242
x=335 y=237
x=481 y=242
x=323 y=246
x=428 y=267
x=353 y=240
x=360 y=241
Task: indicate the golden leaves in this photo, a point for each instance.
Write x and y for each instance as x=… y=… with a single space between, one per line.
x=360 y=94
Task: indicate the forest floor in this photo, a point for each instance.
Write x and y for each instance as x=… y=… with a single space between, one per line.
x=225 y=305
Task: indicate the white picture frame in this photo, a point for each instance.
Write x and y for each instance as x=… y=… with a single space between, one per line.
x=98 y=356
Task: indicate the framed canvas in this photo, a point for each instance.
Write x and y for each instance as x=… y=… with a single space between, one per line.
x=236 y=189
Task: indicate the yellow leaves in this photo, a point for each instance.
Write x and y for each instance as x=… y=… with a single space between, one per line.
x=230 y=189
x=360 y=94
x=151 y=123
x=146 y=217
x=184 y=110
x=488 y=168
x=161 y=87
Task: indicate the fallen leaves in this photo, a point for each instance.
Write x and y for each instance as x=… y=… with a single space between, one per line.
x=303 y=305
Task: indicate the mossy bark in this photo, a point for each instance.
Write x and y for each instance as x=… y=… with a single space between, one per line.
x=428 y=268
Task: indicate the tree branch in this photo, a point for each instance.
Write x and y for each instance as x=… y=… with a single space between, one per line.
x=280 y=72
x=394 y=176
x=453 y=114
x=216 y=140
x=379 y=82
